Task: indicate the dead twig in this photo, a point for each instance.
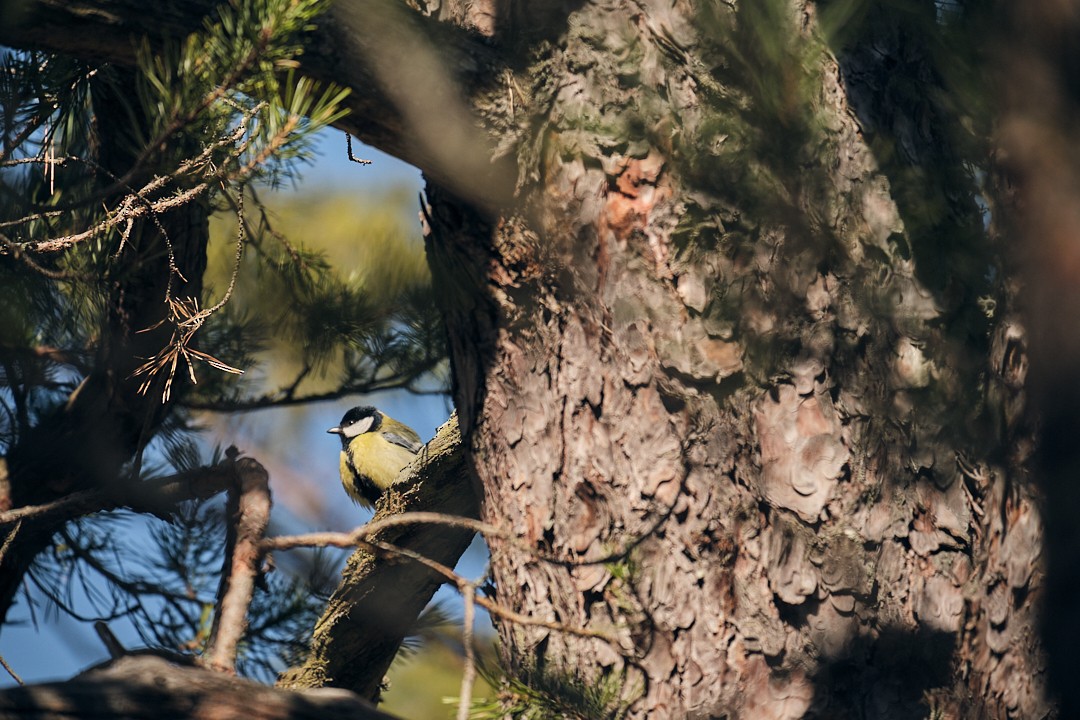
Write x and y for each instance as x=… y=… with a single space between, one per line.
x=187 y=320
x=348 y=149
x=152 y=496
x=360 y=537
x=489 y=531
x=249 y=514
x=492 y=607
x=10 y=671
x=14 y=533
x=468 y=675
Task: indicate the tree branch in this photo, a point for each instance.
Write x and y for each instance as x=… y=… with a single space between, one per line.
x=144 y=686
x=248 y=516
x=394 y=60
x=155 y=496
x=286 y=397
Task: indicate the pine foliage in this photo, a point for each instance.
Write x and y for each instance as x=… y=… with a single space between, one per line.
x=208 y=121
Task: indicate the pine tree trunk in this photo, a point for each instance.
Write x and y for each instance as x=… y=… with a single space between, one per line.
x=745 y=361
x=749 y=402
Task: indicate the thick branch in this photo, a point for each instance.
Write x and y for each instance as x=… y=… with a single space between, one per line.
x=380 y=597
x=146 y=686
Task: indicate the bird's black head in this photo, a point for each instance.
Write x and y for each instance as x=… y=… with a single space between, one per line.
x=357 y=421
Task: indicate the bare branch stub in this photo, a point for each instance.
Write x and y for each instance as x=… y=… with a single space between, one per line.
x=248 y=515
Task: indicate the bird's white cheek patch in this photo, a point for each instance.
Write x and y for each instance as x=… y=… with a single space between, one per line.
x=358 y=428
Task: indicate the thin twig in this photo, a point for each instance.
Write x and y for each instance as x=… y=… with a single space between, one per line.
x=468 y=675
x=30 y=218
x=200 y=483
x=489 y=531
x=265 y=226
x=178 y=121
x=133 y=211
x=29 y=129
x=11 y=672
x=134 y=588
x=112 y=645
x=17 y=252
x=52 y=594
x=359 y=538
x=241 y=236
x=489 y=605
x=73 y=505
x=137 y=203
x=362 y=533
x=284 y=398
x=348 y=149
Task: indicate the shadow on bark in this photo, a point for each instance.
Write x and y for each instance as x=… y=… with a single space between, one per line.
x=889 y=677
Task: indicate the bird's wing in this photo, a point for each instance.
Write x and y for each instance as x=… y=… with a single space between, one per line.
x=406 y=439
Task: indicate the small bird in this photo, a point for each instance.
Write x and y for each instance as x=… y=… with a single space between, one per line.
x=374 y=449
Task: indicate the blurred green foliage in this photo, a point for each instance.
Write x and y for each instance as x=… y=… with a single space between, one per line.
x=332 y=290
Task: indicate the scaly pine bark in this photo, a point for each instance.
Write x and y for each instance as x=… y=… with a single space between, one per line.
x=745 y=362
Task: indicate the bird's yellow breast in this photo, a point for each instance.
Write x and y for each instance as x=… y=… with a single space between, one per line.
x=375 y=460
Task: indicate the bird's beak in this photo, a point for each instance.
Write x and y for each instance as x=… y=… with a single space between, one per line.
x=334 y=431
